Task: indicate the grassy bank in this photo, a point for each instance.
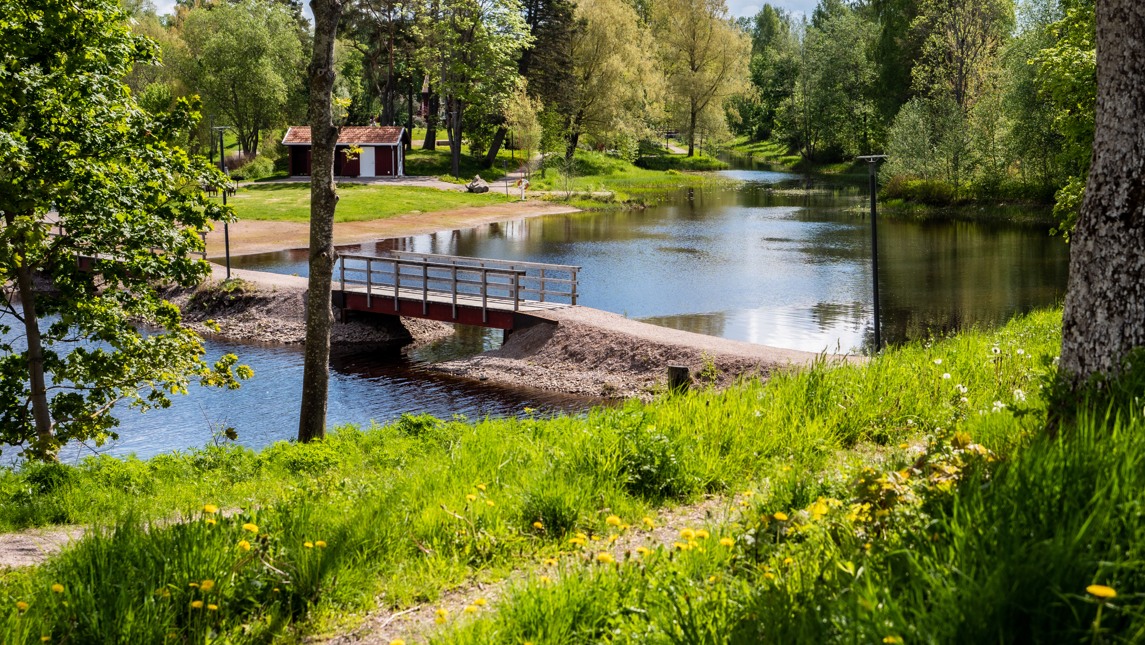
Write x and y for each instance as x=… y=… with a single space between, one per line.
x=290 y=202
x=400 y=514
x=601 y=181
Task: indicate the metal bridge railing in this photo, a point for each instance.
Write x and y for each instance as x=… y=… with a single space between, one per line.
x=399 y=278
x=540 y=281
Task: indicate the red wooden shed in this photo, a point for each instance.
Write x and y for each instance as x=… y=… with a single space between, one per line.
x=382 y=153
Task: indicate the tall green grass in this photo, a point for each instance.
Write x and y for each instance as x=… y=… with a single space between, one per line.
x=410 y=510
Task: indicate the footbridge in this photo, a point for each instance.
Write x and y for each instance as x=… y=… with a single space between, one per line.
x=500 y=294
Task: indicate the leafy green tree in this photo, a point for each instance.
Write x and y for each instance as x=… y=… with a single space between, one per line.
x=833 y=113
x=773 y=69
x=470 y=49
x=703 y=57
x=960 y=41
x=85 y=172
x=1067 y=74
x=612 y=70
x=245 y=61
x=522 y=119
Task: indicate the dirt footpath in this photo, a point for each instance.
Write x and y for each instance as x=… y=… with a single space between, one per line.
x=253 y=236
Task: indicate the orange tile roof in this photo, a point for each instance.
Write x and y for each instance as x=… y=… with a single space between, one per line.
x=351 y=135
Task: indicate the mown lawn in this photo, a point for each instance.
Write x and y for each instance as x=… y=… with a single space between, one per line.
x=915 y=498
x=290 y=202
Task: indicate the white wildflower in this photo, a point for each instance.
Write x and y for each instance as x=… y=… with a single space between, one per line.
x=962 y=389
x=946 y=376
x=1019 y=396
x=999 y=406
x=938 y=361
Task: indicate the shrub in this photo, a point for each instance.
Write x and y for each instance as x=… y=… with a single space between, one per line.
x=256 y=168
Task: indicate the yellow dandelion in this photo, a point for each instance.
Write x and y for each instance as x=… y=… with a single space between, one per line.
x=470 y=609
x=1101 y=591
x=210 y=509
x=702 y=534
x=711 y=579
x=212 y=607
x=780 y=516
x=308 y=545
x=605 y=557
x=769 y=575
x=613 y=538
x=537 y=525
x=45 y=639
x=442 y=614
x=471 y=497
x=595 y=538
x=244 y=545
x=545 y=579
x=253 y=528
x=550 y=562
x=21 y=605
x=196 y=604
x=681 y=546
x=480 y=602
x=904 y=446
x=321 y=544
x=210 y=521
x=643 y=551
x=207 y=585
x=688 y=534
x=748 y=493
x=193 y=585
x=727 y=541
x=613 y=520
x=489 y=503
x=788 y=561
x=397 y=641
x=58 y=588
x=892 y=640
x=480 y=486
x=648 y=523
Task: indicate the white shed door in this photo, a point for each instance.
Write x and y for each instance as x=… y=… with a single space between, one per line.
x=367 y=158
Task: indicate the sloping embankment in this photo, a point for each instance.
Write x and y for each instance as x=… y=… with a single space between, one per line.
x=592 y=352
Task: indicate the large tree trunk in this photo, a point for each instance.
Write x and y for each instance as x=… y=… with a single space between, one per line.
x=434 y=104
x=495 y=146
x=44 y=448
x=1105 y=305
x=692 y=132
x=323 y=200
x=455 y=137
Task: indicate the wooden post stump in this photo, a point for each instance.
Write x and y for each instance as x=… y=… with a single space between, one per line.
x=678 y=378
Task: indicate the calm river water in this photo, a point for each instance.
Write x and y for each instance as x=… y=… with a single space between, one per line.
x=766 y=263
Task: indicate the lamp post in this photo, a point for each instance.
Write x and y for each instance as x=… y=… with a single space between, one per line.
x=223 y=167
x=873 y=167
